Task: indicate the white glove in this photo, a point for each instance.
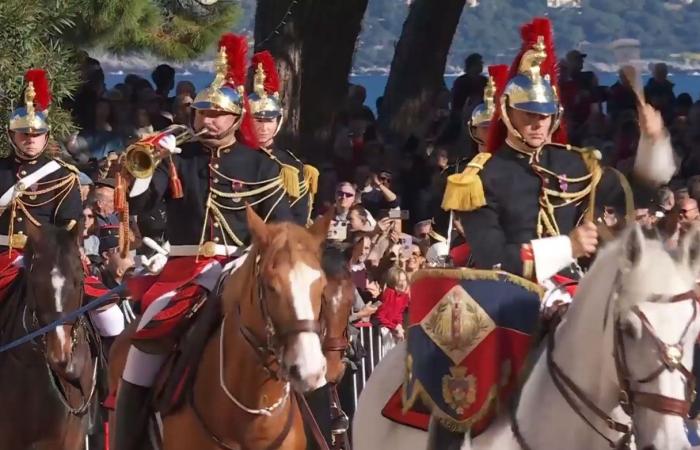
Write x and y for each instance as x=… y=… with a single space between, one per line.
x=169 y=143
x=155 y=263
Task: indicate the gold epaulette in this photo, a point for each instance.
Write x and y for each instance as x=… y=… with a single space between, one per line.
x=465 y=191
x=289 y=175
x=311 y=175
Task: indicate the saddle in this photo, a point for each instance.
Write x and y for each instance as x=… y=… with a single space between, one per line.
x=177 y=376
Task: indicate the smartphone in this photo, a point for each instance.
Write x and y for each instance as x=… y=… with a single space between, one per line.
x=338 y=230
x=402 y=214
x=406 y=241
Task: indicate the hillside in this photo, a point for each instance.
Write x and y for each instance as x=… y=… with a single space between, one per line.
x=492 y=29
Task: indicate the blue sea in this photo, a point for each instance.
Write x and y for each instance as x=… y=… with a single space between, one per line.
x=375 y=84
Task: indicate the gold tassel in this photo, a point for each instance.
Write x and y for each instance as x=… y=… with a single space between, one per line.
x=465 y=191
x=290 y=180
x=311 y=175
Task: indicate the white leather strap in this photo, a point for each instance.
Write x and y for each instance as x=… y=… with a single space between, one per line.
x=24 y=183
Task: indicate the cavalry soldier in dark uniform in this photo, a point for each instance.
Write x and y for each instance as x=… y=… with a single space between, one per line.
x=478 y=129
x=36 y=190
x=528 y=203
x=206 y=186
x=300 y=180
x=34 y=187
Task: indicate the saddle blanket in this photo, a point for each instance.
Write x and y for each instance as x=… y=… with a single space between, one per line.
x=469 y=337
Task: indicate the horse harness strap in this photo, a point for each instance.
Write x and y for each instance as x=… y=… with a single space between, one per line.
x=563 y=382
x=308 y=418
x=671 y=360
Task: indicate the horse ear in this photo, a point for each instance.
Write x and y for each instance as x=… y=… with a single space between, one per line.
x=258 y=228
x=319 y=229
x=690 y=248
x=632 y=246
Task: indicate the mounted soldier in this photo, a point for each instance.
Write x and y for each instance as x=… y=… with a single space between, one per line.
x=300 y=180
x=205 y=185
x=527 y=205
x=37 y=189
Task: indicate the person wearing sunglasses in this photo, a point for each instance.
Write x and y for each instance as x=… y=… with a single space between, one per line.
x=688 y=213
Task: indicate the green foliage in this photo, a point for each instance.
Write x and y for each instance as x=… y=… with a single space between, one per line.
x=171 y=29
x=30 y=34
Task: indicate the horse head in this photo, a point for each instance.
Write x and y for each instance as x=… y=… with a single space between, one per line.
x=54 y=288
x=657 y=326
x=290 y=284
x=338 y=298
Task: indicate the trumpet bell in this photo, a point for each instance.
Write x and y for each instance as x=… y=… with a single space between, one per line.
x=141 y=161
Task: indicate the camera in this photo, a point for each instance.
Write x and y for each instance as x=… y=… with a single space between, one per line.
x=338 y=230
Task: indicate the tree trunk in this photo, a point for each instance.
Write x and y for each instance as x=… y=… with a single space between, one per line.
x=314 y=52
x=286 y=47
x=418 y=67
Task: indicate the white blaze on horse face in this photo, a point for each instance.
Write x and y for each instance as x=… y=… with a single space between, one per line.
x=304 y=351
x=57 y=282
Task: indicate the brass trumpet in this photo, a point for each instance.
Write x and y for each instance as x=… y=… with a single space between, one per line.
x=142 y=157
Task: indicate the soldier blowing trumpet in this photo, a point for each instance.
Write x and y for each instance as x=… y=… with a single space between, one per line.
x=205 y=184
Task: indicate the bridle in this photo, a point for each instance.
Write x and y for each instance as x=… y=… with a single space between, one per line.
x=81 y=323
x=267 y=351
x=671 y=360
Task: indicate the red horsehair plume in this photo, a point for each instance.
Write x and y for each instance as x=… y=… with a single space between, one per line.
x=499 y=73
x=272 y=80
x=236 y=49
x=530 y=33
x=38 y=78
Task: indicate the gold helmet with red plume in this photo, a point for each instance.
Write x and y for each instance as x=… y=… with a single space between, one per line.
x=226 y=92
x=33 y=116
x=265 y=99
x=532 y=85
x=483 y=113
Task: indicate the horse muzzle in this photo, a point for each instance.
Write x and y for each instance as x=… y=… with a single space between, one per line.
x=304 y=362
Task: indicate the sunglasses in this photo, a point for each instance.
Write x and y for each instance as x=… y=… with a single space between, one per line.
x=684 y=212
x=88 y=216
x=344 y=194
x=384 y=178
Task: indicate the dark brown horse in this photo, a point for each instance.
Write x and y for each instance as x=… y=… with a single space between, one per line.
x=47 y=386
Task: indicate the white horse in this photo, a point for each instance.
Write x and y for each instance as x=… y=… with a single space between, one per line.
x=633 y=325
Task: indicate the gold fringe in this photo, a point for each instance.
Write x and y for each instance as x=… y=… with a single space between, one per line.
x=290 y=180
x=311 y=175
x=465 y=191
x=464 y=273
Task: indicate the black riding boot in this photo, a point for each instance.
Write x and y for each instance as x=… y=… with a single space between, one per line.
x=133 y=409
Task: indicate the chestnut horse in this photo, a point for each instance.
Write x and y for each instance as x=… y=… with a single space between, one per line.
x=275 y=306
x=47 y=385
